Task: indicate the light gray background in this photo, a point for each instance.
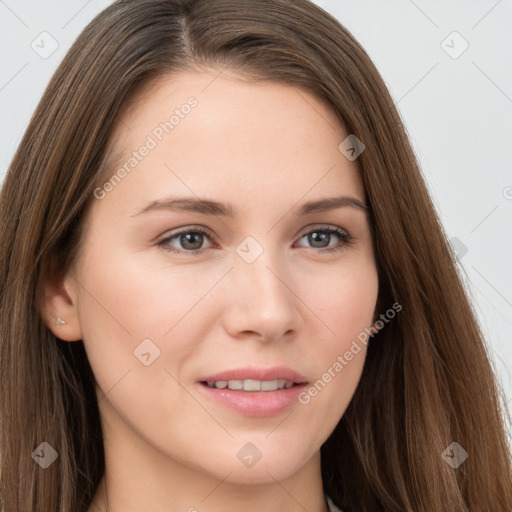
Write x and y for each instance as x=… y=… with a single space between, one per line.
x=458 y=112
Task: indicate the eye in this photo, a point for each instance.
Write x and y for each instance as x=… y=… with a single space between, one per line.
x=192 y=238
x=321 y=236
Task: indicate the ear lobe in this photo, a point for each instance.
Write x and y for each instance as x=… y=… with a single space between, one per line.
x=59 y=304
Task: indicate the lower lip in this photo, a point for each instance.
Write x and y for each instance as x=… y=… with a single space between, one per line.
x=255 y=403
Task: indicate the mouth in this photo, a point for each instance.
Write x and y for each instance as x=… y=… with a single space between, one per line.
x=250 y=384
x=254 y=392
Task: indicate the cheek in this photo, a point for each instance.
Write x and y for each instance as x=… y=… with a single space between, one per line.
x=141 y=298
x=127 y=300
x=344 y=299
x=345 y=305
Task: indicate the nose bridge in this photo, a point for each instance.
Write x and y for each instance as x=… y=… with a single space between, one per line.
x=260 y=267
x=262 y=296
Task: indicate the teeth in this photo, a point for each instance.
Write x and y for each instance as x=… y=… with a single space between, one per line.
x=235 y=384
x=269 y=385
x=251 y=384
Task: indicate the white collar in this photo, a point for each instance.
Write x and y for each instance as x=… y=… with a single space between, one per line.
x=332 y=506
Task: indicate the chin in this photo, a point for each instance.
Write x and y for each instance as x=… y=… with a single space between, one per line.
x=274 y=463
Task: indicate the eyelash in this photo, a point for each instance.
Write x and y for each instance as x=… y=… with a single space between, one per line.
x=346 y=239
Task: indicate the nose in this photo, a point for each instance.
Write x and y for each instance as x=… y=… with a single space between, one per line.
x=261 y=300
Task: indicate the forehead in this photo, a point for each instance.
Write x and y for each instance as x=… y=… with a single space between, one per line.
x=228 y=90
x=215 y=133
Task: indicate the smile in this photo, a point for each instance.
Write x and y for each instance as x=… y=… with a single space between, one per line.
x=250 y=384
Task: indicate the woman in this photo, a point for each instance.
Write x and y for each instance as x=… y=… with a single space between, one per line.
x=224 y=284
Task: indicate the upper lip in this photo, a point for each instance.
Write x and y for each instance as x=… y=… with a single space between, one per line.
x=276 y=372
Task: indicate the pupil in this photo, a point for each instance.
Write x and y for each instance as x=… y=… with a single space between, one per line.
x=189 y=238
x=315 y=236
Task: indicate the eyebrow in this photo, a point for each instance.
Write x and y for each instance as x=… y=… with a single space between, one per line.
x=210 y=207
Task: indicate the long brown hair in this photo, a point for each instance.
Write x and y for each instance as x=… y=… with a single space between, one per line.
x=427 y=380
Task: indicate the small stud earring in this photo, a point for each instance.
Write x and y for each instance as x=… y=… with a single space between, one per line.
x=59 y=321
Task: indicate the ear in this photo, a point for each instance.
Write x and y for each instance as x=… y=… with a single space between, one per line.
x=60 y=299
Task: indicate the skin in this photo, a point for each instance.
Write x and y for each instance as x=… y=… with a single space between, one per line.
x=266 y=148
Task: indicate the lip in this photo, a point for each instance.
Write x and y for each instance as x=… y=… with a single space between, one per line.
x=276 y=372
x=255 y=403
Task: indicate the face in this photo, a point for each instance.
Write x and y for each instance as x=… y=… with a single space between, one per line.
x=253 y=287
